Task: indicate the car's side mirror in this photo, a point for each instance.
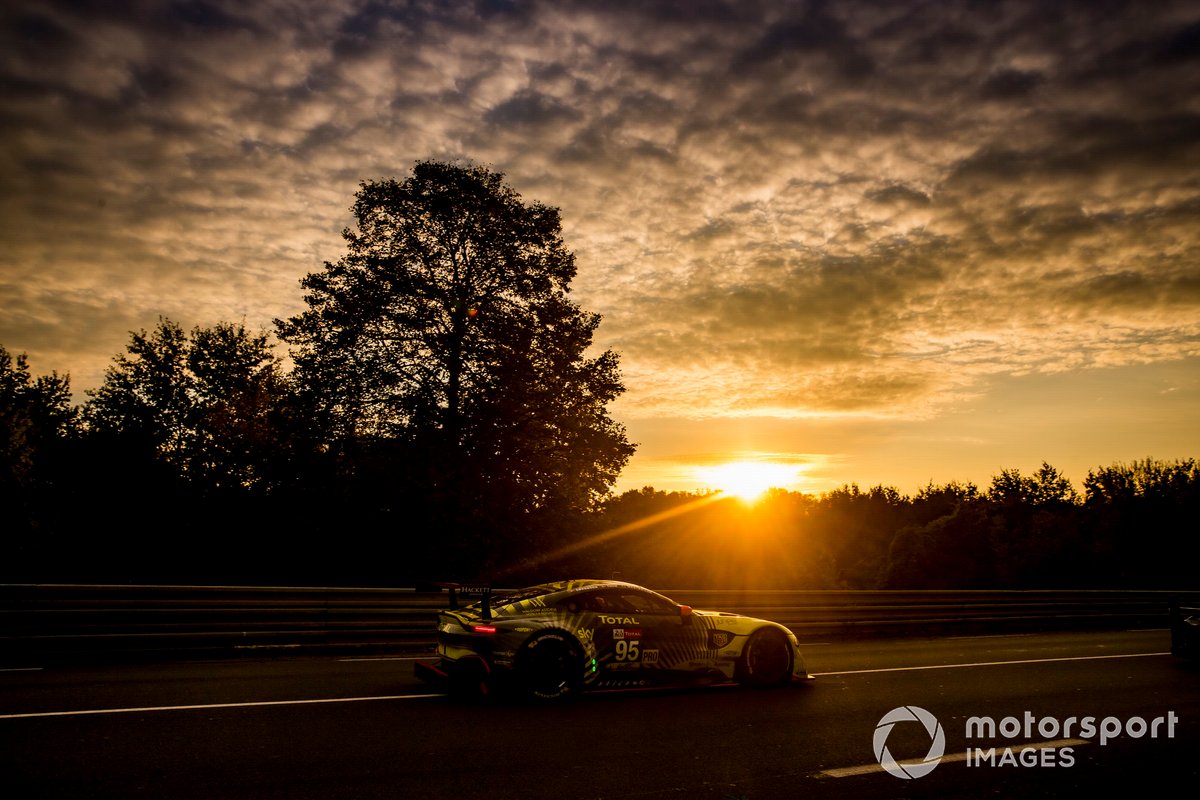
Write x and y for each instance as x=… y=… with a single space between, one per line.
x=685 y=614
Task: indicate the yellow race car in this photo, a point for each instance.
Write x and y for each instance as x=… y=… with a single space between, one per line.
x=554 y=640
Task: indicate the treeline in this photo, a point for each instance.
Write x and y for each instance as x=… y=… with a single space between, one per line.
x=196 y=461
x=1133 y=527
x=444 y=415
x=200 y=460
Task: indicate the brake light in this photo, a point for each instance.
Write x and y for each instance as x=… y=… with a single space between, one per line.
x=485 y=628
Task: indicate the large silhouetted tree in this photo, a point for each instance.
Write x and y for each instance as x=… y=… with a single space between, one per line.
x=445 y=339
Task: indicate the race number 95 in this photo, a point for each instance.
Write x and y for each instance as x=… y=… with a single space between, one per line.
x=627 y=650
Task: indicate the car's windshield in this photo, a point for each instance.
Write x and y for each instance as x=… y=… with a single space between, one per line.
x=622 y=600
x=508 y=598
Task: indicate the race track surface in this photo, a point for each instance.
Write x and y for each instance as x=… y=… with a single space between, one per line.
x=365 y=728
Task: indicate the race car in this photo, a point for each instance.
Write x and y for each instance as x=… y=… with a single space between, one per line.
x=554 y=640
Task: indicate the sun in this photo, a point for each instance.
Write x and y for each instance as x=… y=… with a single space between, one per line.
x=747 y=480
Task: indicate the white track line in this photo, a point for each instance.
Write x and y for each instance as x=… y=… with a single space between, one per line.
x=990 y=664
x=419 y=696
x=867 y=769
x=216 y=705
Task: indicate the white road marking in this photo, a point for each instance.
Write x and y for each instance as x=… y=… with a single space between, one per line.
x=216 y=705
x=256 y=704
x=390 y=658
x=867 y=769
x=994 y=636
x=990 y=663
x=21 y=669
x=1014 y=635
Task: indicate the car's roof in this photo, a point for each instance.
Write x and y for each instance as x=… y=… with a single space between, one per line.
x=583 y=584
x=551 y=592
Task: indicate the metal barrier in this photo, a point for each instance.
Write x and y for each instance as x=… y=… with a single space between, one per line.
x=40 y=623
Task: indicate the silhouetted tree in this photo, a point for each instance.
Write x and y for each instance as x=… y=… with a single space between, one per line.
x=1140 y=518
x=1045 y=487
x=952 y=551
x=34 y=413
x=1171 y=481
x=201 y=404
x=36 y=420
x=933 y=501
x=947 y=543
x=1035 y=528
x=856 y=529
x=183 y=442
x=445 y=338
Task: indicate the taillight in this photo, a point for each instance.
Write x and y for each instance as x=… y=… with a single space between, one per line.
x=485 y=628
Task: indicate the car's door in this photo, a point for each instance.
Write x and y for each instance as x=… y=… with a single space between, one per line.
x=639 y=635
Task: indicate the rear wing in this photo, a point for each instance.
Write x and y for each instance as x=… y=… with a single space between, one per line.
x=458 y=591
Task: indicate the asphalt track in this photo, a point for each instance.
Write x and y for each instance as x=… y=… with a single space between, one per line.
x=336 y=728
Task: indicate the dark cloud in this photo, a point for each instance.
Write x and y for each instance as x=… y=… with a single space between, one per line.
x=779 y=208
x=898 y=195
x=811 y=39
x=532 y=109
x=1010 y=84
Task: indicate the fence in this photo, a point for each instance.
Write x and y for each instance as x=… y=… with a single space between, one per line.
x=40 y=623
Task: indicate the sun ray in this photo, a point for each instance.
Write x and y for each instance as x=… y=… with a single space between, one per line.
x=607 y=535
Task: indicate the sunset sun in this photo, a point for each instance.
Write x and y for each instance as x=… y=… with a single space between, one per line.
x=747 y=480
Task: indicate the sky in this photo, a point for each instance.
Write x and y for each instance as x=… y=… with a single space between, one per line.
x=863 y=242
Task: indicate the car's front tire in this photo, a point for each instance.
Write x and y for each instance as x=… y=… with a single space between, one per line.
x=550 y=666
x=767 y=660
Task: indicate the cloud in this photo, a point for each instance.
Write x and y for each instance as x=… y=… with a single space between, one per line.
x=852 y=208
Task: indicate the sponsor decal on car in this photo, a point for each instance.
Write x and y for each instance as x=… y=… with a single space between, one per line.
x=718 y=639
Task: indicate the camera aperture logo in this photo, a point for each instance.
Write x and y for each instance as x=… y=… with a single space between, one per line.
x=1025 y=751
x=937 y=744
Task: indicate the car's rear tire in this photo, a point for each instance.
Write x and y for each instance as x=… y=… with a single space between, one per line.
x=550 y=666
x=767 y=660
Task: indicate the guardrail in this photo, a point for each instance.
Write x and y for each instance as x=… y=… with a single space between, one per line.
x=44 y=622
